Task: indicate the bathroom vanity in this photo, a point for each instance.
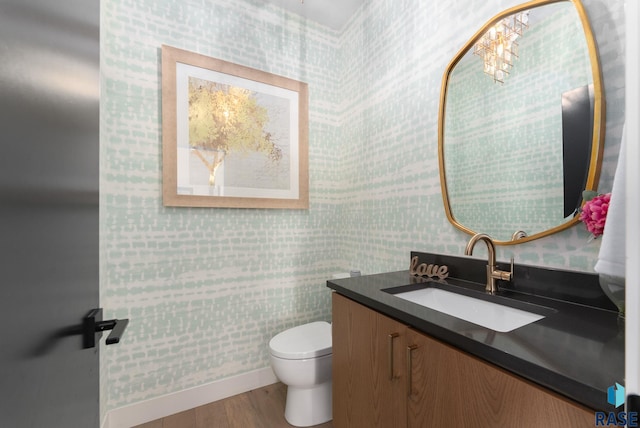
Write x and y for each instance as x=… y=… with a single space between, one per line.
x=397 y=363
x=432 y=350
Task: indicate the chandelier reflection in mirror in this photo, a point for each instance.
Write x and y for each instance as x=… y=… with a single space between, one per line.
x=498 y=47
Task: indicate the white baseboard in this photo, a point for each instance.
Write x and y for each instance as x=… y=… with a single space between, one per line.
x=105 y=421
x=159 y=407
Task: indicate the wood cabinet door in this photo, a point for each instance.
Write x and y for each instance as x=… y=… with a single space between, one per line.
x=369 y=367
x=452 y=388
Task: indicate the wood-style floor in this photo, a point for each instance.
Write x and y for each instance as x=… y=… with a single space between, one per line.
x=260 y=408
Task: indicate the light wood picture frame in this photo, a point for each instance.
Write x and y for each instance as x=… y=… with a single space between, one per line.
x=232 y=136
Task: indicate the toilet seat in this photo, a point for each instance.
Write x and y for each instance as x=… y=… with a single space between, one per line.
x=305 y=341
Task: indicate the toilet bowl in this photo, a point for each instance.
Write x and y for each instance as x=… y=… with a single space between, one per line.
x=301 y=359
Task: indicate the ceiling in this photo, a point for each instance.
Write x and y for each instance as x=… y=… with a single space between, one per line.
x=331 y=13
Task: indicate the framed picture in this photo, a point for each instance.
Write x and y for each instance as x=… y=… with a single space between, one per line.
x=232 y=136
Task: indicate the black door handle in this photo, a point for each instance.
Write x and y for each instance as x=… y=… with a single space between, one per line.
x=93 y=326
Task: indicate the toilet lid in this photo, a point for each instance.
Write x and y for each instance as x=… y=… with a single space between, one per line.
x=305 y=341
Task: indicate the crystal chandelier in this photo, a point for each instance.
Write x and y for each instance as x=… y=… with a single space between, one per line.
x=498 y=47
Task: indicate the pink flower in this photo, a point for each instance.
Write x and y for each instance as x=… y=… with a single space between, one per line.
x=594 y=213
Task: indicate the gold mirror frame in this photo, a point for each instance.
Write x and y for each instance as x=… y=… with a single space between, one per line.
x=597 y=145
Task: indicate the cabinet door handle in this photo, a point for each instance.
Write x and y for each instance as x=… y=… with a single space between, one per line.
x=410 y=349
x=391 y=337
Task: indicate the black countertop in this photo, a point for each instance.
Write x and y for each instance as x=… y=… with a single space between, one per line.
x=577 y=350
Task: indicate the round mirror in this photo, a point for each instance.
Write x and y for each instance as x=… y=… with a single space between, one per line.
x=521 y=123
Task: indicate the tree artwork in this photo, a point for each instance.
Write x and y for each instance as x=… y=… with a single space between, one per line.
x=224 y=119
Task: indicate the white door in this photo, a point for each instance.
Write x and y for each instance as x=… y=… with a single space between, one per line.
x=632 y=357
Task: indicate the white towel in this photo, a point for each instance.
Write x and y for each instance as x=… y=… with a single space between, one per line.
x=611 y=259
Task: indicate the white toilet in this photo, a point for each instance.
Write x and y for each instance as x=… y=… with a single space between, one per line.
x=301 y=359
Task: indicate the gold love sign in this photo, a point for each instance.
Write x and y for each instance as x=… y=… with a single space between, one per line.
x=428 y=270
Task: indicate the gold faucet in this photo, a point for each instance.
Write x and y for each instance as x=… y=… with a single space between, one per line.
x=492 y=272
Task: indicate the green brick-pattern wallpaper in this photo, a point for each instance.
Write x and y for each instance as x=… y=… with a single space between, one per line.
x=205 y=289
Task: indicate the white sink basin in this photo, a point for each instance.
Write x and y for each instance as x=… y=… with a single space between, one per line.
x=487 y=314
